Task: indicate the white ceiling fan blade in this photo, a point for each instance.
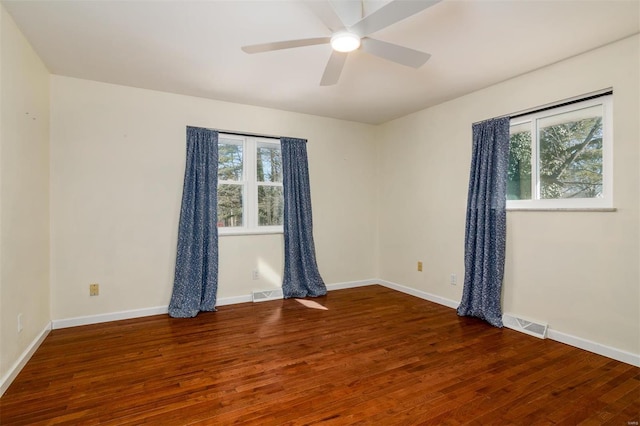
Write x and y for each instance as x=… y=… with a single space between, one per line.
x=326 y=13
x=288 y=44
x=333 y=69
x=393 y=52
x=389 y=14
x=349 y=11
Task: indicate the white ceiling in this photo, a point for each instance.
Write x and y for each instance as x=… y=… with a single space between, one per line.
x=193 y=48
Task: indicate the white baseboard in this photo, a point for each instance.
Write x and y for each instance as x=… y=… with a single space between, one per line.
x=418 y=293
x=596 y=348
x=351 y=284
x=158 y=310
x=558 y=336
x=134 y=313
x=113 y=316
x=233 y=300
x=17 y=366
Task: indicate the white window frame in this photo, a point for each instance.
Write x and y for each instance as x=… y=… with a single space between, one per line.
x=250 y=185
x=604 y=202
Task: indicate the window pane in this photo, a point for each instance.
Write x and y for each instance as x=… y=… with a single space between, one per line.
x=269 y=163
x=270 y=205
x=570 y=164
x=229 y=160
x=229 y=205
x=519 y=173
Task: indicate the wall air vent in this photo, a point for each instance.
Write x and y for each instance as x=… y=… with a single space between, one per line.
x=264 y=295
x=533 y=328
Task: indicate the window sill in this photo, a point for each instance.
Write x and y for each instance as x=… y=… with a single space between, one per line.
x=575 y=209
x=249 y=232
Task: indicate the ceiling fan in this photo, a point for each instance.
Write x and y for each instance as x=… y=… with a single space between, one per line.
x=347 y=38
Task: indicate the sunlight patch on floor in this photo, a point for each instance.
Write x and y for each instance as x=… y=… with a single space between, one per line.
x=311 y=304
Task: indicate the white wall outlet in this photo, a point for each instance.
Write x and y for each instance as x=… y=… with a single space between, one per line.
x=255 y=274
x=453 y=279
x=19 y=323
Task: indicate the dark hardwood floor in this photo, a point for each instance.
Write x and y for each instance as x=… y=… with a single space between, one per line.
x=375 y=356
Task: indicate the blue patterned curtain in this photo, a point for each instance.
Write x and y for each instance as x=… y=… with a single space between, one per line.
x=196 y=277
x=301 y=275
x=486 y=226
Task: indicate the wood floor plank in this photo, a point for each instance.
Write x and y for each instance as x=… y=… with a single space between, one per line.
x=375 y=356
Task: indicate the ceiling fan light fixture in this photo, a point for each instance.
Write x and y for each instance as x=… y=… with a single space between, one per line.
x=345 y=42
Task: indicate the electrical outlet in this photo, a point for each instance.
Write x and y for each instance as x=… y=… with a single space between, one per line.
x=419 y=266
x=19 y=323
x=255 y=274
x=94 y=289
x=453 y=279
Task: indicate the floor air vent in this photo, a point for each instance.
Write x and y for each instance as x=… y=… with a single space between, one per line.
x=264 y=295
x=533 y=328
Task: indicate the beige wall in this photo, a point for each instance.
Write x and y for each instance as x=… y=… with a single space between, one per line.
x=117 y=167
x=24 y=193
x=576 y=271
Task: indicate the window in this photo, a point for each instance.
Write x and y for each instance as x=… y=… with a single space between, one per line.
x=250 y=198
x=562 y=157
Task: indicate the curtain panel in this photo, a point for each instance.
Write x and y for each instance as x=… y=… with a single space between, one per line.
x=301 y=275
x=486 y=222
x=196 y=273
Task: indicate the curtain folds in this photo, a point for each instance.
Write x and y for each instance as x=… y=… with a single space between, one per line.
x=301 y=275
x=486 y=224
x=196 y=274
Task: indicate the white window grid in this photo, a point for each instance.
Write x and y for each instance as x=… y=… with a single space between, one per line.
x=249 y=185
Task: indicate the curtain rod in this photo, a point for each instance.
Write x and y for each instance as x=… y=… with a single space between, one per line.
x=547 y=107
x=248 y=134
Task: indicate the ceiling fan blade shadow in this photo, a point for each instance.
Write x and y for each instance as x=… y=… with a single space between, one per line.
x=327 y=14
x=288 y=44
x=392 y=52
x=389 y=14
x=333 y=69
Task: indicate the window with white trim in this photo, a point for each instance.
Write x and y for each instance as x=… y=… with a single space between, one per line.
x=561 y=158
x=250 y=197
